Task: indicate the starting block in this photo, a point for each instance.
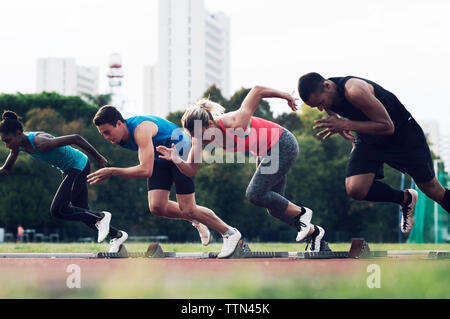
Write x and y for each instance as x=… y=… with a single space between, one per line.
x=242 y=250
x=439 y=255
x=122 y=253
x=359 y=249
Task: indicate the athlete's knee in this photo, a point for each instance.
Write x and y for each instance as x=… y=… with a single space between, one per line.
x=253 y=196
x=158 y=209
x=356 y=192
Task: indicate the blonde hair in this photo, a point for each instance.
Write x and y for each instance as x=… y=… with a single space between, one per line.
x=203 y=110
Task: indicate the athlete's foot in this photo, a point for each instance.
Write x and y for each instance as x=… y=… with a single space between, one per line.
x=408 y=211
x=103 y=226
x=116 y=242
x=316 y=239
x=303 y=223
x=229 y=244
x=203 y=231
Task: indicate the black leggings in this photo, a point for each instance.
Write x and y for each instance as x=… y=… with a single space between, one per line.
x=73 y=189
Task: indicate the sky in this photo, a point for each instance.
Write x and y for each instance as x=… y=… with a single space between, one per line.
x=403 y=45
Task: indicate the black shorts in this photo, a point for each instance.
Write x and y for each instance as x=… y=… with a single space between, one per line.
x=165 y=174
x=412 y=156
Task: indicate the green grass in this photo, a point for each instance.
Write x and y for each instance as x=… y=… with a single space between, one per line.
x=195 y=247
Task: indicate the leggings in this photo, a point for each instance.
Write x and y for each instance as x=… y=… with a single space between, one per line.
x=73 y=189
x=267 y=189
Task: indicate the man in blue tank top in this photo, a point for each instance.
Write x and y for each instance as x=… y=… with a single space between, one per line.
x=386 y=133
x=143 y=134
x=74 y=166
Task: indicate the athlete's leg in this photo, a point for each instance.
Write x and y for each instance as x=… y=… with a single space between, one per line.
x=160 y=205
x=434 y=190
x=260 y=190
x=80 y=202
x=267 y=189
x=60 y=207
x=204 y=215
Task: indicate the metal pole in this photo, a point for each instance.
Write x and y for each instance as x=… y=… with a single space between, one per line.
x=436 y=208
x=402 y=185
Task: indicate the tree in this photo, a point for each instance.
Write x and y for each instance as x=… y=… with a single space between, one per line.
x=238 y=97
x=214 y=94
x=98 y=100
x=175 y=117
x=291 y=121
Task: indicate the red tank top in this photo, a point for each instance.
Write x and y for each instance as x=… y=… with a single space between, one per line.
x=263 y=135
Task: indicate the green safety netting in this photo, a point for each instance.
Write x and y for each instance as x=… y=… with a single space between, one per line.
x=431 y=221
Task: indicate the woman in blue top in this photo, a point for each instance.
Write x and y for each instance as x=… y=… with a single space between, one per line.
x=74 y=166
x=143 y=134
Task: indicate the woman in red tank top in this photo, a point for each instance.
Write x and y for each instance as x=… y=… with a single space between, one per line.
x=275 y=147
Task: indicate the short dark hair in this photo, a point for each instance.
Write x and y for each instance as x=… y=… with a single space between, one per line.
x=107 y=114
x=308 y=84
x=10 y=123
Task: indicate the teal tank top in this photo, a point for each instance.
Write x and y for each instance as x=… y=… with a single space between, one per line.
x=168 y=133
x=63 y=158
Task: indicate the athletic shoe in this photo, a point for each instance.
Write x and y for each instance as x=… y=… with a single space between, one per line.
x=203 y=231
x=303 y=224
x=408 y=213
x=229 y=244
x=116 y=242
x=316 y=239
x=103 y=226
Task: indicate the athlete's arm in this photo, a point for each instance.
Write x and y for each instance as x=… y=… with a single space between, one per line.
x=241 y=117
x=143 y=136
x=9 y=163
x=45 y=142
x=188 y=167
x=359 y=94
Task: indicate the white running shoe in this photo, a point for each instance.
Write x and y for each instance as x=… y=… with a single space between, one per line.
x=303 y=224
x=315 y=240
x=203 y=231
x=408 y=213
x=103 y=226
x=229 y=244
x=116 y=242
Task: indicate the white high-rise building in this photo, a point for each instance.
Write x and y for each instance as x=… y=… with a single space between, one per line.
x=63 y=76
x=439 y=143
x=432 y=132
x=193 y=53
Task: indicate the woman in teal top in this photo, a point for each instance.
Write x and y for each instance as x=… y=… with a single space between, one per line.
x=74 y=166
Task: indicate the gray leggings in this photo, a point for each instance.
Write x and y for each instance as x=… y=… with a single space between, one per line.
x=267 y=189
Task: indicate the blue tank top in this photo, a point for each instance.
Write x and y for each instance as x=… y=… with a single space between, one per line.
x=168 y=133
x=63 y=158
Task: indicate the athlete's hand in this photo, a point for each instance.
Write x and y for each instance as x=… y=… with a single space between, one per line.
x=292 y=101
x=347 y=135
x=99 y=175
x=102 y=162
x=169 y=154
x=332 y=125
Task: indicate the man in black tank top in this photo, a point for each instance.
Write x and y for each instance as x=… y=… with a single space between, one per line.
x=386 y=133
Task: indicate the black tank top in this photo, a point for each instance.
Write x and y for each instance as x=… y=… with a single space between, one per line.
x=398 y=113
